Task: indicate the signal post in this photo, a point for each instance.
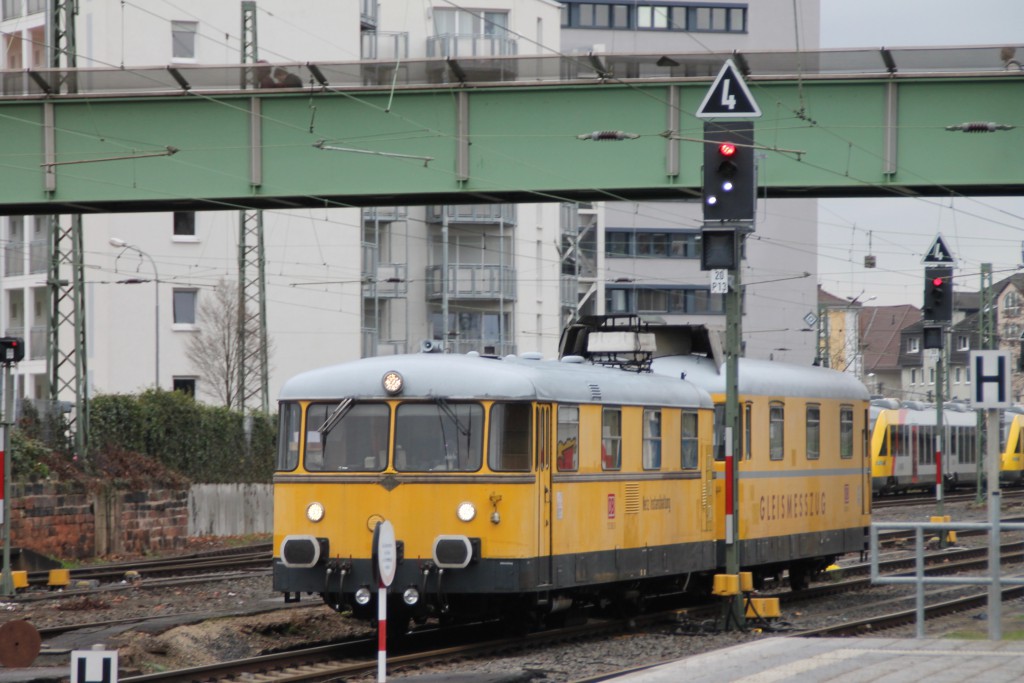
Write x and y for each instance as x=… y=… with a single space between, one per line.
x=937 y=311
x=729 y=200
x=12 y=350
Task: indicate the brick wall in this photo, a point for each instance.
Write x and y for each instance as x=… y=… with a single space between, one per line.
x=67 y=521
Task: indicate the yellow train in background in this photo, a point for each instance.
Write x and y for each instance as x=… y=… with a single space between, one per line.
x=527 y=488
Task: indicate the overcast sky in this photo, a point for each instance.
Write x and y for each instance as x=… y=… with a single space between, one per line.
x=898 y=231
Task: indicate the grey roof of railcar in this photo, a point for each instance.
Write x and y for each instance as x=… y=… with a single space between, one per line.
x=454 y=377
x=764 y=378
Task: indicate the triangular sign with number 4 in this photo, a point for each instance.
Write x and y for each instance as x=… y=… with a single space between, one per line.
x=938 y=252
x=728 y=97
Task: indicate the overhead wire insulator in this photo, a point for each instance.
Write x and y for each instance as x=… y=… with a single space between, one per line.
x=980 y=127
x=608 y=135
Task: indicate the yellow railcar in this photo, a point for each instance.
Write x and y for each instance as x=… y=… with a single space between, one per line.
x=1011 y=466
x=804 y=495
x=516 y=487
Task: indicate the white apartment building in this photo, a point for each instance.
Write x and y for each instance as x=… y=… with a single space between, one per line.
x=344 y=283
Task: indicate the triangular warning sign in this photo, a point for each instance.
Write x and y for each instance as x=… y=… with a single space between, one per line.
x=728 y=97
x=938 y=252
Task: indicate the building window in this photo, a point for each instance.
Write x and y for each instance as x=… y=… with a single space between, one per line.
x=913 y=376
x=185 y=306
x=813 y=432
x=956 y=375
x=652 y=244
x=611 y=439
x=186 y=385
x=1011 y=303
x=662 y=16
x=652 y=439
x=568 y=439
x=776 y=431
x=184 y=223
x=1011 y=331
x=183 y=40
x=913 y=344
x=931 y=375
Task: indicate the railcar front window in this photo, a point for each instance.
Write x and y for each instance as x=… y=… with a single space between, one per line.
x=289 y=436
x=439 y=437
x=509 y=448
x=355 y=442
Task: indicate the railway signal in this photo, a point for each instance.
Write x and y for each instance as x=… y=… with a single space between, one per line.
x=938 y=294
x=729 y=189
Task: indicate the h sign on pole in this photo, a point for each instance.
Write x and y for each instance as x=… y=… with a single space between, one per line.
x=991 y=378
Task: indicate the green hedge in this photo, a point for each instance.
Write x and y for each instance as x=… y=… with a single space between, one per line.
x=207 y=444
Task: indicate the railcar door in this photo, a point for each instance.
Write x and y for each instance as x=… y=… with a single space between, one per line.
x=542 y=458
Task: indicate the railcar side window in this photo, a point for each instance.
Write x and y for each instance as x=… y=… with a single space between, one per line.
x=776 y=425
x=509 y=445
x=748 y=416
x=719 y=433
x=439 y=437
x=567 y=459
x=289 y=433
x=652 y=439
x=813 y=432
x=611 y=439
x=357 y=442
x=845 y=431
x=688 y=448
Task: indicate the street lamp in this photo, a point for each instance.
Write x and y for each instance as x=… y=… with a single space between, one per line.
x=122 y=245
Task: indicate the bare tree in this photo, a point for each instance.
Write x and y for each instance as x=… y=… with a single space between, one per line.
x=214 y=348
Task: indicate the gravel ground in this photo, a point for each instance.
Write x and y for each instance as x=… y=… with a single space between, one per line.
x=246 y=627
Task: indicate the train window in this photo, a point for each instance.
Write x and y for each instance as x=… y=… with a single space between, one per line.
x=568 y=438
x=439 y=436
x=688 y=448
x=845 y=431
x=652 y=439
x=813 y=432
x=776 y=433
x=509 y=445
x=357 y=441
x=611 y=439
x=719 y=432
x=748 y=416
x=289 y=427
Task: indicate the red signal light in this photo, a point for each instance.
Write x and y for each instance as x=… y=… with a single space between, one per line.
x=937 y=282
x=727 y=149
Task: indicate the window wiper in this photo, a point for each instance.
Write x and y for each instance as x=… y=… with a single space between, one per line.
x=335 y=417
x=443 y=404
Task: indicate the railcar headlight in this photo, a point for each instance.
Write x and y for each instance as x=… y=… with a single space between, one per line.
x=466 y=512
x=410 y=596
x=362 y=595
x=315 y=512
x=392 y=382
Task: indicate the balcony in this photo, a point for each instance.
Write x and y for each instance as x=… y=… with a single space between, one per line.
x=486 y=347
x=38 y=256
x=368 y=14
x=14 y=259
x=37 y=342
x=456 y=45
x=480 y=214
x=472 y=282
x=385 y=214
x=390 y=282
x=389 y=46
x=569 y=291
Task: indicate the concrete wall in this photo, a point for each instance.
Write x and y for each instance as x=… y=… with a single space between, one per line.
x=230 y=509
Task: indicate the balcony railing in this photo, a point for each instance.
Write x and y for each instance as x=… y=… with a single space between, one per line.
x=385 y=214
x=472 y=282
x=384 y=45
x=482 y=346
x=37 y=342
x=14 y=259
x=455 y=45
x=38 y=256
x=473 y=213
x=570 y=291
x=368 y=13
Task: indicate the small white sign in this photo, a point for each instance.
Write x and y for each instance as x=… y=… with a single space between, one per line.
x=719 y=281
x=387 y=552
x=94 y=666
x=811 y=320
x=990 y=379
